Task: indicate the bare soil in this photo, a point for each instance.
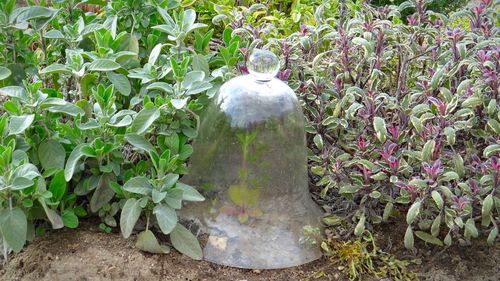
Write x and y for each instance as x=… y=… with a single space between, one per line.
x=86 y=254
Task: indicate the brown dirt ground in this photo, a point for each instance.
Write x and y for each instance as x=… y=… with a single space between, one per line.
x=87 y=254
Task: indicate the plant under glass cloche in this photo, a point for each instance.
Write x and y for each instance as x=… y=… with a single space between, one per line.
x=250 y=163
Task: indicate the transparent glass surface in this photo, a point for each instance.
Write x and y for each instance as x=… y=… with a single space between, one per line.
x=250 y=162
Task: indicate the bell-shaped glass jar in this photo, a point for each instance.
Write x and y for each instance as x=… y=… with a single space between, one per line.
x=250 y=162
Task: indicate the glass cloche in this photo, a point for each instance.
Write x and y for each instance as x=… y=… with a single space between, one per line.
x=250 y=162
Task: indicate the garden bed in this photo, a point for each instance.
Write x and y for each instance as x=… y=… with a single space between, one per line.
x=89 y=254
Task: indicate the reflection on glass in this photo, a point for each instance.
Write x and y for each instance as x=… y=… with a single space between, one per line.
x=250 y=162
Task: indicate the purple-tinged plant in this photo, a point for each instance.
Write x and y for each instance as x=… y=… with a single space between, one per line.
x=434 y=170
x=459 y=203
x=411 y=115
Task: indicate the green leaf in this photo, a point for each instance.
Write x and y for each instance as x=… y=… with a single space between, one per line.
x=494 y=125
x=53 y=217
x=14 y=92
x=139 y=142
x=144 y=119
x=472 y=101
x=428 y=238
x=130 y=214
x=69 y=218
x=57 y=105
x=487 y=205
x=73 y=158
x=427 y=150
x=170 y=181
x=18 y=124
x=436 y=78
x=438 y=199
x=449 y=176
x=54 y=34
x=166 y=218
x=179 y=103
x=435 y=226
x=20 y=183
x=51 y=154
x=147 y=242
x=27 y=170
x=491 y=150
x=447 y=240
x=458 y=162
x=58 y=186
x=158 y=196
x=360 y=226
x=189 y=193
x=185 y=242
x=380 y=128
x=408 y=239
x=138 y=185
x=121 y=83
x=103 y=193
x=4 y=73
x=492 y=236
x=470 y=228
x=161 y=86
x=450 y=135
x=14 y=228
x=155 y=53
x=413 y=212
x=318 y=141
x=387 y=211
x=103 y=65
x=56 y=68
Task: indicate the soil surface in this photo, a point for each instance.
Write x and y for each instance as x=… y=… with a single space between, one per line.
x=87 y=253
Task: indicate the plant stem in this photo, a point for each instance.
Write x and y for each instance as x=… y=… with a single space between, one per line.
x=44 y=47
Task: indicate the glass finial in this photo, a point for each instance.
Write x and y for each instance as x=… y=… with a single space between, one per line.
x=263 y=65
